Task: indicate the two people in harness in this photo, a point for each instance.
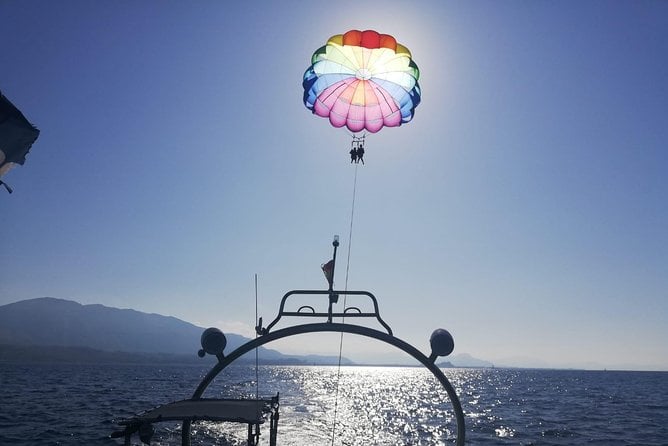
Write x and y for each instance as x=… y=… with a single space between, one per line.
x=357 y=154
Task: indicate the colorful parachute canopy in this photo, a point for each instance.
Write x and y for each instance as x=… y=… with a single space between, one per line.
x=363 y=80
x=16 y=136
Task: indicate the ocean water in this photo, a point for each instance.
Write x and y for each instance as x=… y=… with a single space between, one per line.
x=80 y=405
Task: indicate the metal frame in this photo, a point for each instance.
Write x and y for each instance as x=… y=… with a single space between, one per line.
x=198 y=410
x=267 y=336
x=333 y=298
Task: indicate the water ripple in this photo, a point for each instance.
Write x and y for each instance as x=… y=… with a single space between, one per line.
x=77 y=404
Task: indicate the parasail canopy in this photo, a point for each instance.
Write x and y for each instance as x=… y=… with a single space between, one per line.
x=363 y=80
x=17 y=135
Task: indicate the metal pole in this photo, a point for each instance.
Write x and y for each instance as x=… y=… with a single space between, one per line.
x=333 y=298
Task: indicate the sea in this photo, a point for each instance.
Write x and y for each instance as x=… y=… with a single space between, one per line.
x=68 y=404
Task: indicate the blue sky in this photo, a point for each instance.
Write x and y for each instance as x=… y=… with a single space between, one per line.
x=524 y=208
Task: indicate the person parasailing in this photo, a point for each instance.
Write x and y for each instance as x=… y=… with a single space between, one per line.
x=362 y=80
x=360 y=153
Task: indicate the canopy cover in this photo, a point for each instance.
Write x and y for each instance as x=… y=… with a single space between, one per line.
x=363 y=80
x=17 y=135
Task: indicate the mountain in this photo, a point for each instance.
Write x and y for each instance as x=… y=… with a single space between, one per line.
x=466 y=360
x=74 y=330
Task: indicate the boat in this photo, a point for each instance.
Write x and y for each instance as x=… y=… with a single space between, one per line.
x=255 y=412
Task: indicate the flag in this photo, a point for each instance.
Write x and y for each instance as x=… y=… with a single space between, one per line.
x=17 y=135
x=328 y=269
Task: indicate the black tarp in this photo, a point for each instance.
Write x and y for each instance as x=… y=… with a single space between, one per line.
x=17 y=135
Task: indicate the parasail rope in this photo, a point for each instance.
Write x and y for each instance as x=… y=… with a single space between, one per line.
x=343 y=320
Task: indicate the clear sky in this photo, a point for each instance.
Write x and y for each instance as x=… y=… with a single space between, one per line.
x=524 y=208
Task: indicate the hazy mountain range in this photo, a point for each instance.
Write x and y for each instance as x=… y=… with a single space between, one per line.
x=50 y=329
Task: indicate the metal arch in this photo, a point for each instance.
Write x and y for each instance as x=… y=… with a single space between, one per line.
x=224 y=361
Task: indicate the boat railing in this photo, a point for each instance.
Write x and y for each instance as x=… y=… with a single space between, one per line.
x=333 y=298
x=251 y=411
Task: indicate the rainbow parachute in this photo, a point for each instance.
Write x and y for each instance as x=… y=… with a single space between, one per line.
x=363 y=80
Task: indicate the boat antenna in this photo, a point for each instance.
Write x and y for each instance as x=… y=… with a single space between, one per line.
x=257 y=380
x=345 y=295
